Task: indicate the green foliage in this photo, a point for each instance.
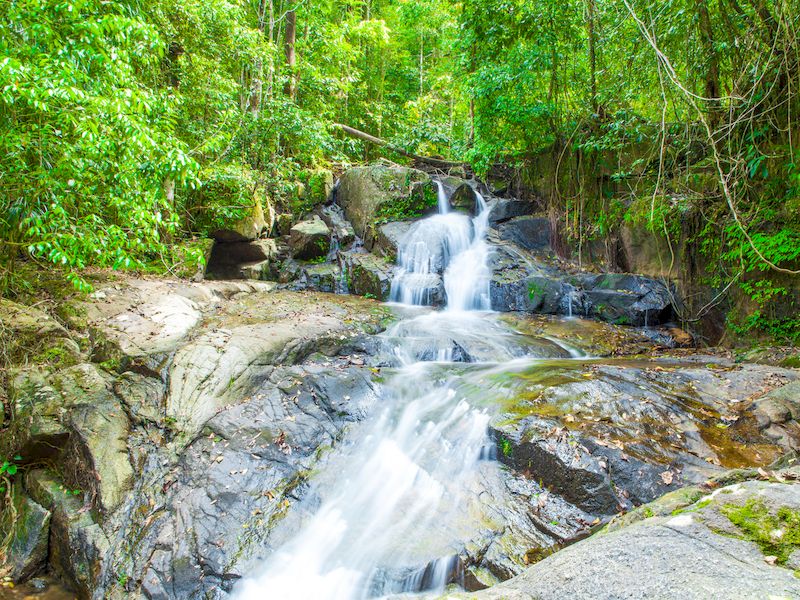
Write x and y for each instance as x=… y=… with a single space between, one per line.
x=505 y=446
x=8 y=469
x=89 y=144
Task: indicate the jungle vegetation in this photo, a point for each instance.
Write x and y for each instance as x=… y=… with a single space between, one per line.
x=131 y=126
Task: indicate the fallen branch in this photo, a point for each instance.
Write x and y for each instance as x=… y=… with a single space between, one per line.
x=434 y=162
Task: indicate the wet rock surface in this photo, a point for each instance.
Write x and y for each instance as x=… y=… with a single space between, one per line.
x=178 y=446
x=702 y=550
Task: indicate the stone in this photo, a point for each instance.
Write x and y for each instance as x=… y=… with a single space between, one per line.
x=242 y=260
x=144 y=318
x=73 y=416
x=627 y=299
x=310 y=239
x=142 y=396
x=258 y=271
x=33 y=336
x=247 y=228
x=388 y=237
x=613 y=436
x=223 y=363
x=520 y=283
x=528 y=232
x=463 y=198
x=367 y=274
x=504 y=209
x=26 y=555
x=96 y=454
x=671 y=556
x=78 y=546
x=341 y=229
x=323 y=277
x=368 y=194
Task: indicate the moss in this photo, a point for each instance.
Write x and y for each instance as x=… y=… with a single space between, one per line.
x=56 y=356
x=791 y=362
x=693 y=508
x=777 y=534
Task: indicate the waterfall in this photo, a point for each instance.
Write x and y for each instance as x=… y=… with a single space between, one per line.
x=445 y=254
x=441 y=196
x=390 y=507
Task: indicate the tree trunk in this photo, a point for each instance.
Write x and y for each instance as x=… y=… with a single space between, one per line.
x=712 y=90
x=271 y=67
x=257 y=86
x=290 y=89
x=421 y=61
x=591 y=10
x=434 y=162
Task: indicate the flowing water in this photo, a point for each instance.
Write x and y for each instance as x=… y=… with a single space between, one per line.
x=397 y=499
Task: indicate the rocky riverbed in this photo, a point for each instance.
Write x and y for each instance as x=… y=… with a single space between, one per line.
x=173 y=435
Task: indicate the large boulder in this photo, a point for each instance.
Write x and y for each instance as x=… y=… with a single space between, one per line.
x=310 y=239
x=243 y=260
x=73 y=416
x=250 y=226
x=627 y=299
x=528 y=232
x=388 y=238
x=504 y=209
x=716 y=545
x=610 y=436
x=79 y=548
x=230 y=356
x=31 y=335
x=520 y=283
x=370 y=194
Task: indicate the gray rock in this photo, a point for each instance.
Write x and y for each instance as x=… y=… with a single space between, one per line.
x=142 y=396
x=323 y=277
x=79 y=549
x=678 y=556
x=388 y=237
x=310 y=239
x=627 y=299
x=341 y=229
x=242 y=260
x=528 y=232
x=26 y=555
x=367 y=274
x=368 y=194
x=519 y=283
x=504 y=209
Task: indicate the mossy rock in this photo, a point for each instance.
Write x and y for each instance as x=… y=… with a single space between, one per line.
x=26 y=554
x=231 y=205
x=34 y=337
x=379 y=193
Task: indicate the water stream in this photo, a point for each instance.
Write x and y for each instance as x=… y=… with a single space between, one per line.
x=397 y=499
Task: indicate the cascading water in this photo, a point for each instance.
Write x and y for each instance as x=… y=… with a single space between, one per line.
x=391 y=508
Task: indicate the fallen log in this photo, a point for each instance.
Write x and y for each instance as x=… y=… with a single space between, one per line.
x=434 y=162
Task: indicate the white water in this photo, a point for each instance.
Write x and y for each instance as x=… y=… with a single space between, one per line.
x=394 y=505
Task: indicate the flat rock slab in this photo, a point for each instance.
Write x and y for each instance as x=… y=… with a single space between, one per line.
x=144 y=317
x=675 y=556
